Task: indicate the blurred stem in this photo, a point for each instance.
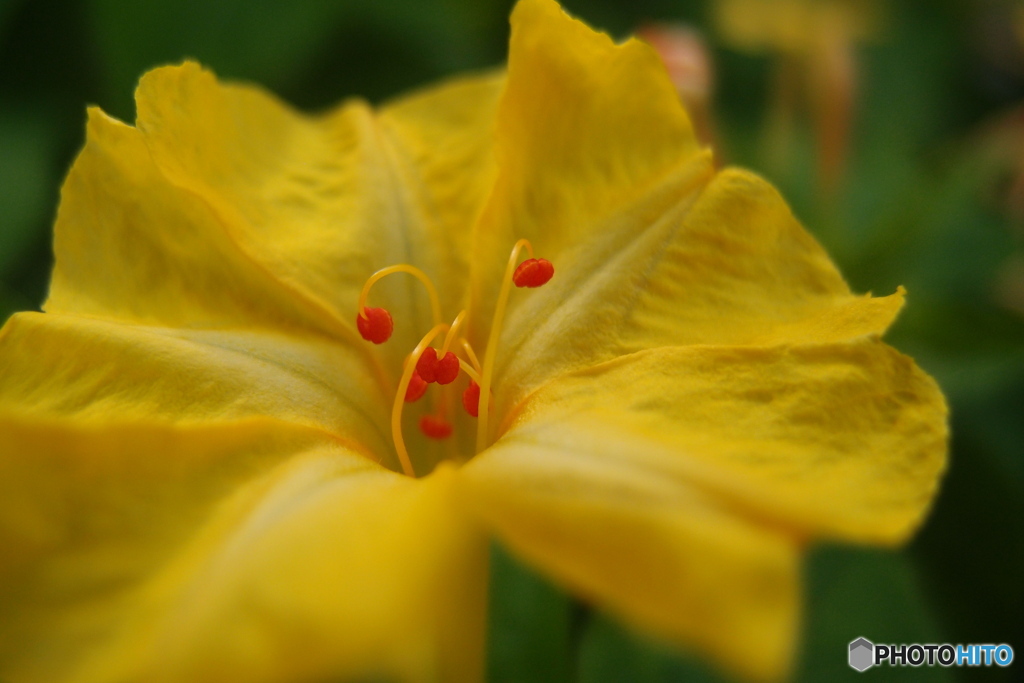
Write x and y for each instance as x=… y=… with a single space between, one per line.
x=832 y=77
x=581 y=615
x=778 y=135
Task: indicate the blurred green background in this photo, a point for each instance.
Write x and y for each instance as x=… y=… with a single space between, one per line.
x=931 y=196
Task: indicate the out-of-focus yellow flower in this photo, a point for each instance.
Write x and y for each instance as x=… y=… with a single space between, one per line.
x=814 y=41
x=794 y=26
x=197 y=475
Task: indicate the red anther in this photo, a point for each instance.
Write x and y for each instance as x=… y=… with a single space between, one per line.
x=377 y=326
x=447 y=369
x=471 y=398
x=417 y=387
x=533 y=272
x=435 y=427
x=427 y=364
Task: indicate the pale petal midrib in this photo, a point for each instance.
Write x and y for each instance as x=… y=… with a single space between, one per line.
x=332 y=328
x=619 y=245
x=192 y=337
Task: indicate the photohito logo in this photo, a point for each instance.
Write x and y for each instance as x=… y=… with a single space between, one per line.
x=864 y=654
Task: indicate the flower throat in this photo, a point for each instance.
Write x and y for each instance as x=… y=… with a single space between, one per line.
x=426 y=365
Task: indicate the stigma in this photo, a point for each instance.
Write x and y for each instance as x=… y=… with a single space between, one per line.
x=428 y=364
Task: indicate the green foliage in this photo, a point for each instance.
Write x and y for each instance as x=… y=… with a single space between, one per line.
x=531 y=626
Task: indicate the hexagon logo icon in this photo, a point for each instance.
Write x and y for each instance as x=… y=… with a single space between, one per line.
x=862 y=654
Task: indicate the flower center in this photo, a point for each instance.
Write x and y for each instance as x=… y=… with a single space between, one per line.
x=426 y=365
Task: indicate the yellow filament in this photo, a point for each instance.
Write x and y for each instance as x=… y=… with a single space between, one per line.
x=403 y=387
x=492 y=342
x=435 y=303
x=445 y=407
x=469 y=370
x=452 y=331
x=470 y=353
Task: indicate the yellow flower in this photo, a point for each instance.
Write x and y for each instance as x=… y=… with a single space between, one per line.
x=794 y=26
x=198 y=478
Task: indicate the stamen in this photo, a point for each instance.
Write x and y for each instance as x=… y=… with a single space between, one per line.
x=447 y=368
x=471 y=353
x=435 y=303
x=435 y=427
x=442 y=370
x=375 y=324
x=469 y=370
x=471 y=398
x=426 y=366
x=533 y=272
x=442 y=367
x=452 y=332
x=403 y=388
x=417 y=387
x=487 y=375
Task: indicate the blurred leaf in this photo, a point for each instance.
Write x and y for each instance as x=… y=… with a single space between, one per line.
x=860 y=593
x=934 y=236
x=973 y=349
x=383 y=49
x=259 y=40
x=995 y=423
x=530 y=621
x=11 y=302
x=7 y=8
x=852 y=593
x=611 y=653
x=25 y=185
x=971 y=550
x=346 y=48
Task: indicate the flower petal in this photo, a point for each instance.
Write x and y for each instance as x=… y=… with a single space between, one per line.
x=241 y=552
x=89 y=370
x=324 y=202
x=584 y=128
x=442 y=141
x=584 y=125
x=730 y=266
x=131 y=246
x=658 y=552
x=598 y=166
x=845 y=441
x=675 y=485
